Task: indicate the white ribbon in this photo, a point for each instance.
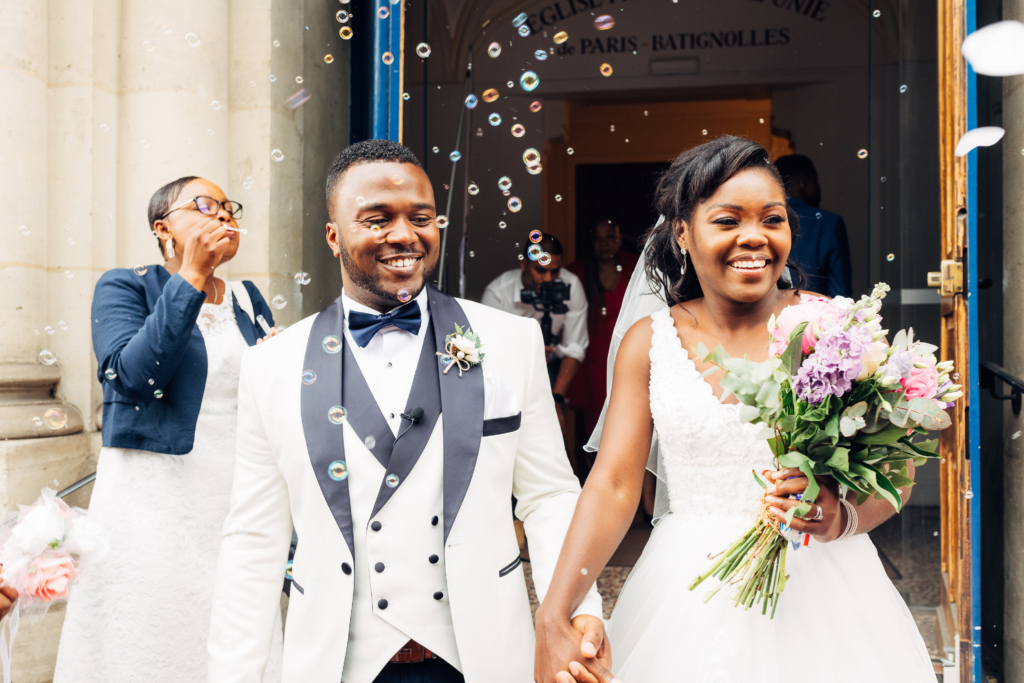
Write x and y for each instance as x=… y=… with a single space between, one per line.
x=9 y=624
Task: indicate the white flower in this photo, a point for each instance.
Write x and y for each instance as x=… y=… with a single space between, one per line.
x=87 y=539
x=872 y=358
x=467 y=348
x=38 y=529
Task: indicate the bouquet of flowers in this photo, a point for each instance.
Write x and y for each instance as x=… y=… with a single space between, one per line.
x=42 y=549
x=835 y=399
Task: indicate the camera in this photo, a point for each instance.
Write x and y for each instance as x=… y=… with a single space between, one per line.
x=549 y=299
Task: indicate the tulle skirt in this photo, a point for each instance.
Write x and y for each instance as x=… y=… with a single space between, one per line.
x=840 y=618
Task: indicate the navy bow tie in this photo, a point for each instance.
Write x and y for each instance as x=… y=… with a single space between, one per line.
x=364 y=325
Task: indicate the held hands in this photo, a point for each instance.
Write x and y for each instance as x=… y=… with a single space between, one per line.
x=7 y=597
x=579 y=647
x=792 y=481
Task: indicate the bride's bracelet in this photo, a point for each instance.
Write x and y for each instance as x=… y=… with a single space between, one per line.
x=851 y=520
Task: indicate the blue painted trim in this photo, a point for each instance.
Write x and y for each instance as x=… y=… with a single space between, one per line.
x=387 y=79
x=974 y=426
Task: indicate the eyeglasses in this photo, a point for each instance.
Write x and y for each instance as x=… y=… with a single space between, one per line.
x=209 y=206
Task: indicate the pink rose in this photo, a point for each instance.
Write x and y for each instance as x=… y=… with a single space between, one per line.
x=816 y=311
x=923 y=382
x=51 y=576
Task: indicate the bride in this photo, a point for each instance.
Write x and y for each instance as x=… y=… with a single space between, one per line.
x=719 y=257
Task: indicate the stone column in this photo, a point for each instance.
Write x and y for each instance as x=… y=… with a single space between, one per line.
x=1013 y=358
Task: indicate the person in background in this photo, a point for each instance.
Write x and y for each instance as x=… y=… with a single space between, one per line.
x=822 y=249
x=568 y=346
x=604 y=271
x=169 y=341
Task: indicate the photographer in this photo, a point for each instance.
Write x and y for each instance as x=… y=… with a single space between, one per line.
x=541 y=281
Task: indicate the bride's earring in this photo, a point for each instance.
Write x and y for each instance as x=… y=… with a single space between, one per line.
x=683 y=267
x=170 y=248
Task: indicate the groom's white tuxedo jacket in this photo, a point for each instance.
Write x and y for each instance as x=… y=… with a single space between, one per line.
x=397 y=540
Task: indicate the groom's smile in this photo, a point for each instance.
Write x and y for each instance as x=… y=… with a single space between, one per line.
x=384 y=231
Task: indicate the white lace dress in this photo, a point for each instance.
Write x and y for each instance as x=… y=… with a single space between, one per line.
x=840 y=619
x=144 y=613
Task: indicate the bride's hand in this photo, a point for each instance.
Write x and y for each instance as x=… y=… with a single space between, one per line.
x=579 y=647
x=792 y=481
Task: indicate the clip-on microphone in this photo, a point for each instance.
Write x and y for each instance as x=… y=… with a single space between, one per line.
x=415 y=415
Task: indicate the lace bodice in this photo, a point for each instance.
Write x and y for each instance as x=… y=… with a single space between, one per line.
x=707 y=454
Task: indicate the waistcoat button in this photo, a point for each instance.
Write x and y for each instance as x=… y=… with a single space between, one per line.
x=433 y=559
x=345 y=568
x=379 y=567
x=375 y=526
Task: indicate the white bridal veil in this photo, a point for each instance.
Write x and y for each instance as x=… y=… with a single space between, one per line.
x=643 y=297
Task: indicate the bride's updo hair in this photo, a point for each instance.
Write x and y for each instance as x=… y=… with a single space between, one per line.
x=693 y=177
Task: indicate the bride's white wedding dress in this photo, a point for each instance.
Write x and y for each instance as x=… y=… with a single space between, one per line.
x=840 y=618
x=143 y=614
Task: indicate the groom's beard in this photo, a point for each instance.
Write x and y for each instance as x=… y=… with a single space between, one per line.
x=371 y=283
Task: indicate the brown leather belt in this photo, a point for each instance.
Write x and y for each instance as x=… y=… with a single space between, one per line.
x=412 y=652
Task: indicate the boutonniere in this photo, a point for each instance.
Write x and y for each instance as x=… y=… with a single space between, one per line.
x=462 y=349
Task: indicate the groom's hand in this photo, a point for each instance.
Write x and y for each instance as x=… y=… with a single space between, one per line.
x=579 y=647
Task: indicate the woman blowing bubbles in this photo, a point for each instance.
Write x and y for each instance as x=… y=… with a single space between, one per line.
x=168 y=341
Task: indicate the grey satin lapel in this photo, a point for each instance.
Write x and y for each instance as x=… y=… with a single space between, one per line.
x=426 y=395
x=324 y=440
x=462 y=402
x=364 y=416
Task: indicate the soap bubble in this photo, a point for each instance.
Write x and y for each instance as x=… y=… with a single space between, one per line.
x=436 y=149
x=308 y=377
x=298 y=79
x=877 y=13
x=518 y=130
x=47 y=357
x=455 y=156
x=68 y=274
x=545 y=259
x=862 y=154
x=328 y=59
x=144 y=143
x=148 y=45
x=524 y=30
x=391 y=480
x=370 y=442
x=534 y=169
x=613 y=128
x=209 y=131
x=531 y=157
x=158 y=394
x=273 y=78
x=494 y=49
x=441 y=221
x=277 y=43
x=423 y=50
x=514 y=204
x=490 y=95
x=504 y=183
x=474 y=188
x=529 y=81
x=558 y=197
x=479 y=132
x=606 y=69
x=541 y=55
x=985 y=136
x=37 y=421
x=890 y=258
x=903 y=88
x=387 y=57
x=561 y=37
x=303 y=278
x=405 y=96
x=704 y=132
x=969 y=494
x=337 y=415
x=110 y=374
x=277 y=155
x=519 y=20
x=494 y=119
x=298 y=99
x=404 y=296
x=166 y=29
x=139 y=269
x=332 y=344
x=604 y=22
x=502 y=224
x=536 y=236
x=216 y=105
x=49 y=329
x=510 y=84
x=383 y=12
x=471 y=102
x=55 y=418
x=882 y=179
x=535 y=106
x=341 y=16
x=192 y=39
x=345 y=33
x=534 y=252
x=569 y=151
x=278 y=302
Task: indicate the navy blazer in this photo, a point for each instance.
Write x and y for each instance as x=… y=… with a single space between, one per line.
x=144 y=331
x=822 y=250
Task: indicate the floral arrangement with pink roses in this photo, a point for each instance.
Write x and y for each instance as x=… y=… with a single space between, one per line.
x=834 y=399
x=43 y=547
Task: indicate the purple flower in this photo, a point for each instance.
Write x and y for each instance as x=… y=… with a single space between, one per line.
x=834 y=365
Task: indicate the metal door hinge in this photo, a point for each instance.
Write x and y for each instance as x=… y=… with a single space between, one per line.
x=949 y=280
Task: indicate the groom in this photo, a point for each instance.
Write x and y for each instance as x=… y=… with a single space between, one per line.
x=392 y=442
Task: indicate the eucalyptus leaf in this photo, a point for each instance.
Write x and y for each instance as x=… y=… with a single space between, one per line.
x=749 y=414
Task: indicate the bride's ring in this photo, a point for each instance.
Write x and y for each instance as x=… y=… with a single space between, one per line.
x=818 y=516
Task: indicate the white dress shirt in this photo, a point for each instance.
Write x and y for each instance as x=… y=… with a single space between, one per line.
x=389 y=361
x=504 y=291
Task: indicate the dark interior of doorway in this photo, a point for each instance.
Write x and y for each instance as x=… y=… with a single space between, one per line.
x=623 y=193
